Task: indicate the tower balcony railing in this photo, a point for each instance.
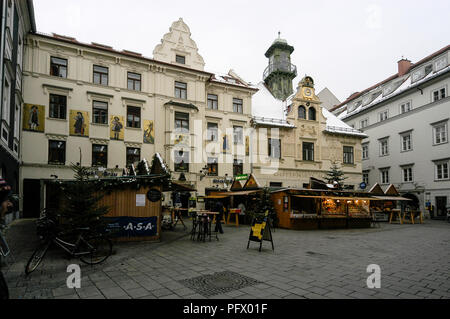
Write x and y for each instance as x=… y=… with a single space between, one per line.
x=280 y=67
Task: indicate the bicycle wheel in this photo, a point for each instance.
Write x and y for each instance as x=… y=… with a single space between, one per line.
x=99 y=248
x=36 y=258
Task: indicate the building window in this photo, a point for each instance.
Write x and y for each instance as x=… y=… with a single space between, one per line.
x=133 y=156
x=212 y=132
x=134 y=81
x=100 y=155
x=182 y=122
x=100 y=75
x=180 y=59
x=213 y=167
x=365 y=152
x=57 y=152
x=58 y=106
x=238 y=106
x=406 y=142
x=366 y=178
x=383 y=116
x=302 y=112
x=213 y=102
x=405 y=107
x=349 y=157
x=385 y=176
x=275 y=148
x=384 y=147
x=100 y=111
x=181 y=161
x=442 y=171
x=439 y=94
x=276 y=184
x=312 y=114
x=133 y=117
x=407 y=173
x=58 y=67
x=308 y=152
x=440 y=133
x=238 y=135
x=181 y=90
x=364 y=123
x=238 y=167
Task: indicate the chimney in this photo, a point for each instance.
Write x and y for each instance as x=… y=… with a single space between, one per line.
x=403 y=66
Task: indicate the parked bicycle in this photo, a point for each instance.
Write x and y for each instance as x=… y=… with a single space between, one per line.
x=91 y=249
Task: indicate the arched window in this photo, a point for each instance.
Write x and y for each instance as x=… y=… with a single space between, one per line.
x=302 y=112
x=312 y=114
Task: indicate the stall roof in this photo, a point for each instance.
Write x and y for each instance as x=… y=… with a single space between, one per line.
x=333 y=197
x=392 y=198
x=216 y=197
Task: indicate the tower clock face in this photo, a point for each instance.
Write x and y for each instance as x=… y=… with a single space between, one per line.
x=307 y=92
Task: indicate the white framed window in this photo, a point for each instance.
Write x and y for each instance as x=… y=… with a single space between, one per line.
x=384 y=175
x=364 y=123
x=406 y=139
x=407 y=174
x=405 y=107
x=383 y=116
x=366 y=178
x=365 y=151
x=439 y=94
x=6 y=100
x=441 y=170
x=440 y=133
x=384 y=147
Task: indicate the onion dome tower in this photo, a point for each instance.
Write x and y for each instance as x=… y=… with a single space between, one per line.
x=280 y=73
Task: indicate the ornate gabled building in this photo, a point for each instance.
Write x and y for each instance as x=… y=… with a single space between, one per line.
x=406 y=118
x=297 y=137
x=109 y=109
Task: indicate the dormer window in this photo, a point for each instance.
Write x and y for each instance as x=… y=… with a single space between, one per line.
x=181 y=59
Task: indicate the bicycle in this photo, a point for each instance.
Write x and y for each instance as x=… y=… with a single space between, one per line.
x=92 y=249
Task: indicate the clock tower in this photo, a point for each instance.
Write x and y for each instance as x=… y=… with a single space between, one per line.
x=280 y=73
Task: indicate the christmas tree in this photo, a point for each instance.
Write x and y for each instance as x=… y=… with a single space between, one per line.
x=81 y=207
x=335 y=175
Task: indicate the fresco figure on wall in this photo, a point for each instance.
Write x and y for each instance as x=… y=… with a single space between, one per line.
x=117 y=127
x=79 y=124
x=149 y=136
x=33 y=121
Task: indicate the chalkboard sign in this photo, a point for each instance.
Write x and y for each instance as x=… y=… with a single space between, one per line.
x=154 y=195
x=261 y=232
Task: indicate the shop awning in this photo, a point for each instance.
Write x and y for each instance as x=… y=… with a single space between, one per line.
x=334 y=197
x=392 y=198
x=215 y=197
x=243 y=193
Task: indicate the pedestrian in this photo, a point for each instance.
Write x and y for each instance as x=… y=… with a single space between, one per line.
x=219 y=209
x=5 y=205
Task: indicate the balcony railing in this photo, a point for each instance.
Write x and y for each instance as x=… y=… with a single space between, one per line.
x=280 y=67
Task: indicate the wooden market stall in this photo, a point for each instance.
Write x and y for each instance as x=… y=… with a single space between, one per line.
x=303 y=209
x=385 y=205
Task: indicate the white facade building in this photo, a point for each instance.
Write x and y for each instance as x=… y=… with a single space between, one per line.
x=407 y=120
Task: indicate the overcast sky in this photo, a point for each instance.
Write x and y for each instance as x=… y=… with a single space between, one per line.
x=345 y=45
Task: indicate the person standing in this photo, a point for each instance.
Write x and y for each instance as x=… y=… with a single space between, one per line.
x=5 y=205
x=219 y=209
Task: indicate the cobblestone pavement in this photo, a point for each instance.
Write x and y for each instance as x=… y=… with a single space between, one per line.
x=414 y=259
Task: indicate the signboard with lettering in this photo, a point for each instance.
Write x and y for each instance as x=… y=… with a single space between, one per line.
x=242 y=177
x=260 y=232
x=133 y=226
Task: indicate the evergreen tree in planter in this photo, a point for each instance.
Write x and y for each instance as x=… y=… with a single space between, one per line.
x=261 y=205
x=335 y=175
x=81 y=207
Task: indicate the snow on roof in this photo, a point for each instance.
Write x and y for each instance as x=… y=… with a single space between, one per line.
x=265 y=105
x=231 y=78
x=406 y=85
x=335 y=125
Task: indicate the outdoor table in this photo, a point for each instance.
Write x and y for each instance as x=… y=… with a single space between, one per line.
x=176 y=214
x=236 y=213
x=412 y=215
x=204 y=229
x=397 y=212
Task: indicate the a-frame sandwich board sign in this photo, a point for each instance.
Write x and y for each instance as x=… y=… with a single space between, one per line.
x=260 y=232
